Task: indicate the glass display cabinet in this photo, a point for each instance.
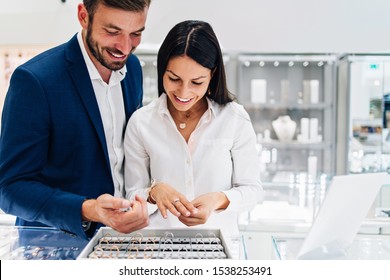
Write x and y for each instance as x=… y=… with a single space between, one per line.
x=291 y=99
x=291 y=102
x=364 y=113
x=149 y=71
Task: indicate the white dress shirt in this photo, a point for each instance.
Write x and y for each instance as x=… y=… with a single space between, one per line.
x=112 y=111
x=220 y=155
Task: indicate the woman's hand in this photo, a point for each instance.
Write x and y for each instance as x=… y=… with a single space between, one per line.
x=206 y=204
x=168 y=198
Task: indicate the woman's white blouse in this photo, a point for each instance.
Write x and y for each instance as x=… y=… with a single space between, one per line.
x=220 y=155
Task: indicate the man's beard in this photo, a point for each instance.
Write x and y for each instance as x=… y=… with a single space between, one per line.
x=94 y=49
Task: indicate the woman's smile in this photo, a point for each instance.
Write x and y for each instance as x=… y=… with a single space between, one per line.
x=183 y=101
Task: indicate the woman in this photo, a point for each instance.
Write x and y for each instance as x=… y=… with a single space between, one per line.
x=194 y=143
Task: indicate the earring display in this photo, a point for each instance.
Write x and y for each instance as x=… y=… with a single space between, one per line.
x=10 y=58
x=157 y=244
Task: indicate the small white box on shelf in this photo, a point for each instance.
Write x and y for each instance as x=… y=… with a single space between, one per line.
x=314 y=91
x=312 y=167
x=313 y=130
x=311 y=91
x=304 y=135
x=306 y=91
x=259 y=91
x=284 y=90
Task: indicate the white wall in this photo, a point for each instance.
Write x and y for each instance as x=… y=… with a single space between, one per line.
x=283 y=25
x=37 y=22
x=245 y=25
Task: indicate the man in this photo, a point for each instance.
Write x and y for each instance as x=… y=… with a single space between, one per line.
x=61 y=143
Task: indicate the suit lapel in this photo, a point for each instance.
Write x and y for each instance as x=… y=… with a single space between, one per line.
x=131 y=98
x=128 y=102
x=79 y=73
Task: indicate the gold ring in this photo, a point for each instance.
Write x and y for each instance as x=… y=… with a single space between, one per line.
x=176 y=200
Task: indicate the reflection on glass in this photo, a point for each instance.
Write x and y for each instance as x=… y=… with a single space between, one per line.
x=369 y=115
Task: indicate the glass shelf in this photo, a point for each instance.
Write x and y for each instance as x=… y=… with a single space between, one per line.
x=287 y=106
x=295 y=145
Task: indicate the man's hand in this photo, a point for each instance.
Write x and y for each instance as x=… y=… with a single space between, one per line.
x=120 y=214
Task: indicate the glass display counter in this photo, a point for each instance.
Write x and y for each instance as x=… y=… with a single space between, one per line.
x=34 y=243
x=284 y=216
x=364 y=247
x=289 y=207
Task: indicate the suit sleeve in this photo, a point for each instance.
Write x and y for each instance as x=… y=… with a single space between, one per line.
x=24 y=142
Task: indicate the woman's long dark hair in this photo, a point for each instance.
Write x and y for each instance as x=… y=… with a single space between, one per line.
x=197 y=40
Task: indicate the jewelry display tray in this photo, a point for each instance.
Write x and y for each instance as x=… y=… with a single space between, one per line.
x=157 y=244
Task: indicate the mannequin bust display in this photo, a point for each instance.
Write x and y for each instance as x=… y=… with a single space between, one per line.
x=284 y=128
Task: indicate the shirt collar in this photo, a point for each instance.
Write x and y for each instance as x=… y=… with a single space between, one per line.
x=116 y=76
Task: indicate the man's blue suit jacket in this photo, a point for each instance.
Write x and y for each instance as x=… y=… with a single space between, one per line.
x=53 y=152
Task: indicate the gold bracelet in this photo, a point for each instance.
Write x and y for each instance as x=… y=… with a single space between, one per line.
x=149 y=196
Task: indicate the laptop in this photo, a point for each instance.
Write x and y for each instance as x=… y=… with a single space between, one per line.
x=346 y=204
